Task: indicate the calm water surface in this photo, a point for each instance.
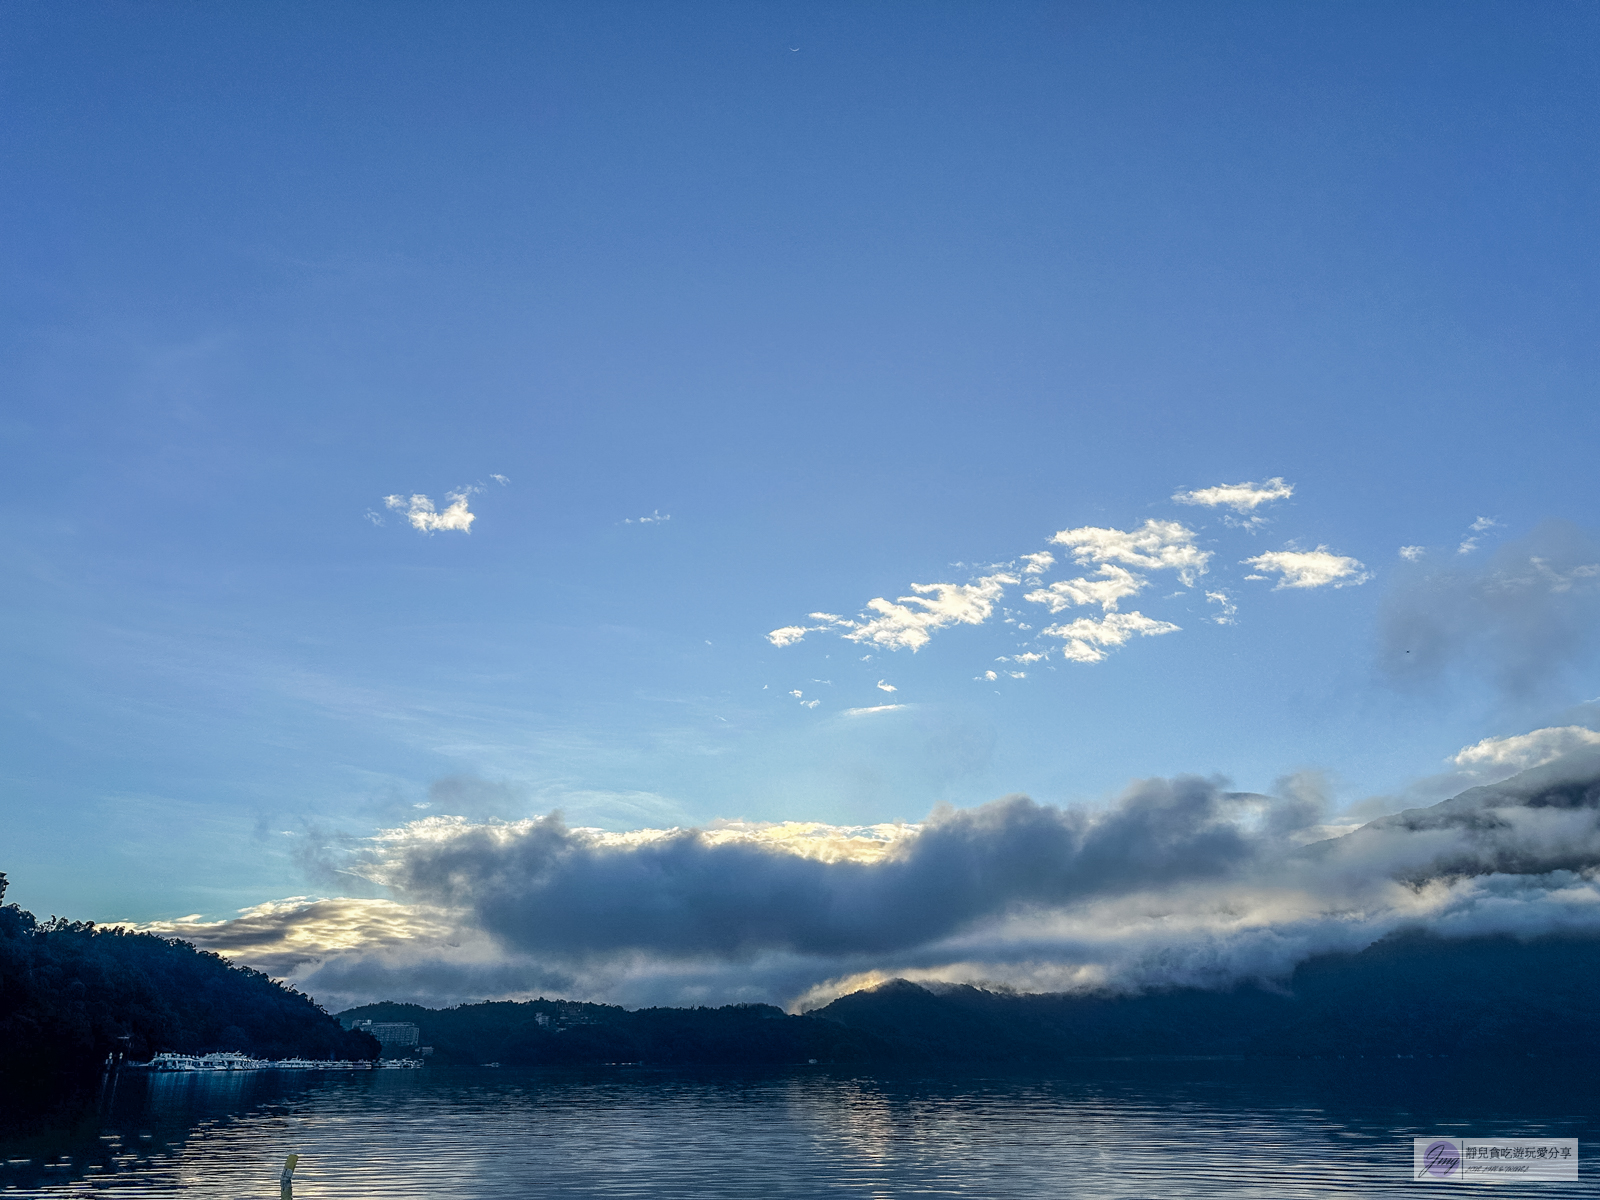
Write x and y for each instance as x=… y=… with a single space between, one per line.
x=1114 y=1130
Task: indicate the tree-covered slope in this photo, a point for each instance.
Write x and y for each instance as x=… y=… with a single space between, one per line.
x=71 y=993
x=1408 y=994
x=566 y=1033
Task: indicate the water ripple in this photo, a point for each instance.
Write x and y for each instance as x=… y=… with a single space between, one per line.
x=1126 y=1132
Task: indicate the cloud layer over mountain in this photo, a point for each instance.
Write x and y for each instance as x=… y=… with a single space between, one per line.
x=1177 y=881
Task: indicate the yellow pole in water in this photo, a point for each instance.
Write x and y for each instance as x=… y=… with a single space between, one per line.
x=288 y=1176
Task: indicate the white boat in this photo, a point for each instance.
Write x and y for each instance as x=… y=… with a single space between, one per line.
x=230 y=1061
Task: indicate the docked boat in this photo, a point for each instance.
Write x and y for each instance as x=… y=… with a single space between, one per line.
x=231 y=1061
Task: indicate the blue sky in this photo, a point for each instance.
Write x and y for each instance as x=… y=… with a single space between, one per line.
x=852 y=298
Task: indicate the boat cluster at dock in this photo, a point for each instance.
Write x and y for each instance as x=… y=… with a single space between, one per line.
x=229 y=1061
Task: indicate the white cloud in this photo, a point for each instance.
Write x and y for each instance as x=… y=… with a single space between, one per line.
x=1106 y=592
x=876 y=708
x=990 y=676
x=373 y=516
x=1241 y=497
x=1412 y=553
x=1229 y=608
x=282 y=935
x=654 y=518
x=1526 y=749
x=798 y=695
x=420 y=512
x=1087 y=638
x=1481 y=525
x=500 y=479
x=886 y=687
x=908 y=622
x=1156 y=545
x=899 y=626
x=1309 y=568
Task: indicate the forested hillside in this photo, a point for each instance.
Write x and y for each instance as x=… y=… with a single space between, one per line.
x=553 y=1033
x=71 y=993
x=1409 y=994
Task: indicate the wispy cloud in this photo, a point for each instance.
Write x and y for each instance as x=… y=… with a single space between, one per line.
x=1243 y=498
x=874 y=708
x=910 y=622
x=1121 y=561
x=1115 y=584
x=1309 y=568
x=1480 y=526
x=1087 y=639
x=1412 y=553
x=1228 y=610
x=655 y=518
x=886 y=687
x=500 y=479
x=419 y=510
x=1155 y=545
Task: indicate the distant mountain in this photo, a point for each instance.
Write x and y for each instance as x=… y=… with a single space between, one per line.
x=1543 y=819
x=553 y=1033
x=1410 y=993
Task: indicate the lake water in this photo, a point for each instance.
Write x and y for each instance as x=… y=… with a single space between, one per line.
x=1120 y=1130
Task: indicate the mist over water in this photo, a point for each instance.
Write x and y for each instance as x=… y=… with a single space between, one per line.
x=1197 y=1128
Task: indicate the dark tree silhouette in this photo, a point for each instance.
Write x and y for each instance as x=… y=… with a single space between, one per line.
x=73 y=994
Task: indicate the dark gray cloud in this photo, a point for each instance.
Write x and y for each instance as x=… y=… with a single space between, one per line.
x=1527 y=616
x=1179 y=881
x=546 y=890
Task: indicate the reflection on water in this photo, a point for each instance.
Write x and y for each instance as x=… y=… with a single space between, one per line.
x=1114 y=1130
